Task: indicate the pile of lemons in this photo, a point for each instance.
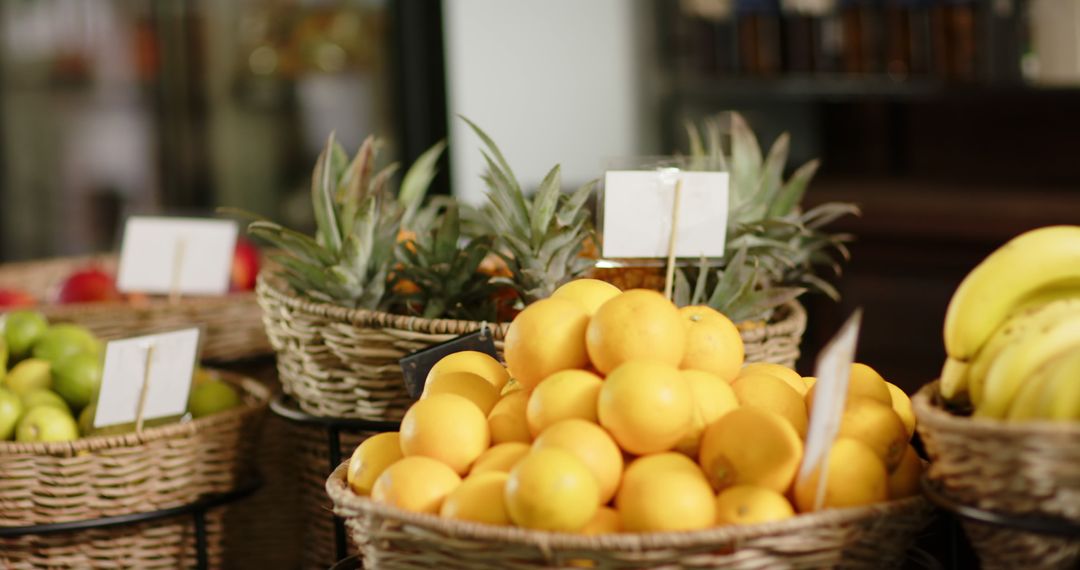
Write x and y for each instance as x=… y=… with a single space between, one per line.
x=619 y=412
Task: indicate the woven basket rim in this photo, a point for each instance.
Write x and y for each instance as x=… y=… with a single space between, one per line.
x=930 y=411
x=255 y=396
x=342 y=496
x=792 y=322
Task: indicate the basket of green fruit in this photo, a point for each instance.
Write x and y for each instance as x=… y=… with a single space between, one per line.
x=56 y=468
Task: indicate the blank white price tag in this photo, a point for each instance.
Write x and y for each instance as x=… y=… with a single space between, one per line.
x=187 y=256
x=637 y=213
x=165 y=361
x=833 y=370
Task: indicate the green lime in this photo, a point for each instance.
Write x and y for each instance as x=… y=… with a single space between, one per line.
x=29 y=374
x=211 y=397
x=21 y=330
x=46 y=423
x=10 y=410
x=65 y=340
x=42 y=397
x=77 y=379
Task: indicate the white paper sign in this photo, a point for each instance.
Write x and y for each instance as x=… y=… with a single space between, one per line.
x=172 y=358
x=176 y=255
x=637 y=213
x=833 y=370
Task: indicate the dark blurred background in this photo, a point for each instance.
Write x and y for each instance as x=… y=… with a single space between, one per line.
x=953 y=123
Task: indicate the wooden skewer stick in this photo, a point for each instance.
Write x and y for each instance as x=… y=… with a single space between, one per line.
x=669 y=279
x=145 y=389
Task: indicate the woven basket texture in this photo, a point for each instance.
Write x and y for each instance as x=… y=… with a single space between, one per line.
x=875 y=536
x=161 y=467
x=232 y=324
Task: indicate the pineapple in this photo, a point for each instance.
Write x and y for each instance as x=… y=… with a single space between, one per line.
x=773 y=248
x=540 y=238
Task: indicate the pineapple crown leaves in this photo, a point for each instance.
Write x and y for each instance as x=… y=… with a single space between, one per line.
x=540 y=238
x=740 y=290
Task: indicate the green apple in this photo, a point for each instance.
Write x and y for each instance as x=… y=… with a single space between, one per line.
x=21 y=330
x=46 y=423
x=10 y=410
x=211 y=397
x=65 y=340
x=77 y=379
x=86 y=419
x=42 y=397
x=30 y=374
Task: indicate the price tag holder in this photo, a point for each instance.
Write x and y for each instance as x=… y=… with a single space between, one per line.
x=637 y=213
x=417 y=365
x=189 y=256
x=147 y=377
x=833 y=370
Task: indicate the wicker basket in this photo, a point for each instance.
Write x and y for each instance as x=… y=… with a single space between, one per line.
x=864 y=537
x=232 y=323
x=1030 y=469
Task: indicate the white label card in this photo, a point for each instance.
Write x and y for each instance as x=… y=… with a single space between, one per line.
x=833 y=370
x=172 y=357
x=637 y=213
x=188 y=256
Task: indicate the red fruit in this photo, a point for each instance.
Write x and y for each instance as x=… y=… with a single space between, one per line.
x=88 y=286
x=245 y=265
x=10 y=298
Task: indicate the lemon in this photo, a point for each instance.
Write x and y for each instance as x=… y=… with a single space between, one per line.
x=638 y=324
x=551 y=489
x=418 y=484
x=780 y=371
x=856 y=477
x=713 y=343
x=646 y=406
x=370 y=459
x=593 y=446
x=746 y=504
x=876 y=425
x=712 y=398
x=507 y=420
x=901 y=404
x=480 y=498
x=445 y=427
x=472 y=387
x=479 y=363
x=751 y=446
x=905 y=479
x=768 y=392
x=548 y=336
x=655 y=498
x=30 y=374
x=605 y=521
x=589 y=294
x=501 y=457
x=563 y=395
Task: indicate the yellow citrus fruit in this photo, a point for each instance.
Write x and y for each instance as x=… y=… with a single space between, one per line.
x=511 y=386
x=747 y=504
x=750 y=446
x=904 y=480
x=856 y=476
x=501 y=457
x=418 y=484
x=654 y=498
x=548 y=336
x=593 y=446
x=864 y=381
x=479 y=498
x=445 y=427
x=780 y=371
x=713 y=343
x=901 y=404
x=646 y=406
x=589 y=294
x=809 y=381
x=639 y=324
x=563 y=395
x=507 y=419
x=472 y=387
x=876 y=425
x=768 y=392
x=473 y=361
x=370 y=459
x=666 y=461
x=551 y=489
x=605 y=521
x=712 y=397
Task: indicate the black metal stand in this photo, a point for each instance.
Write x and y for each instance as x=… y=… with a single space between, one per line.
x=1037 y=525
x=198 y=510
x=286 y=408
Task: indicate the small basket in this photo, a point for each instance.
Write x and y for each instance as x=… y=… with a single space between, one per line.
x=339 y=362
x=232 y=323
x=864 y=537
x=1024 y=469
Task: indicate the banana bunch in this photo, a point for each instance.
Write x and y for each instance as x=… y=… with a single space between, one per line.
x=1012 y=330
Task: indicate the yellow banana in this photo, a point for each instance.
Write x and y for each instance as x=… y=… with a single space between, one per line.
x=1029 y=262
x=1028 y=400
x=954 y=380
x=1061 y=391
